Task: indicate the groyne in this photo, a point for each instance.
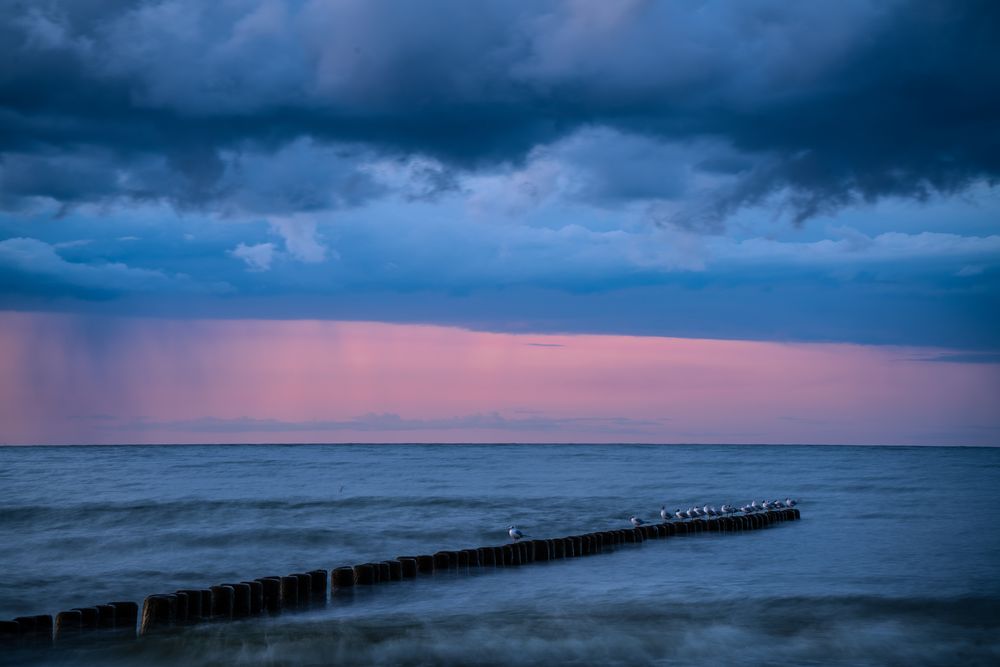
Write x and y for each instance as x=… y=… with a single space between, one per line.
x=272 y=595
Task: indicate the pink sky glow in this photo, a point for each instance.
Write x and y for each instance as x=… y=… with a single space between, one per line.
x=72 y=379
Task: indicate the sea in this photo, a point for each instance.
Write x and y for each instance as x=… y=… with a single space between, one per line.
x=895 y=561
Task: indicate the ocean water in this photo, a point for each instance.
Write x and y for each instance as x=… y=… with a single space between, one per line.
x=896 y=560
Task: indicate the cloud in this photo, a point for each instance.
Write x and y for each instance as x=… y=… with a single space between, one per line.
x=39 y=260
x=301 y=239
x=428 y=262
x=965 y=358
x=811 y=107
x=856 y=247
x=300 y=176
x=628 y=167
x=970 y=270
x=257 y=257
x=390 y=422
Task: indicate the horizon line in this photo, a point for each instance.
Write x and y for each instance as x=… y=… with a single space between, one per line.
x=490 y=444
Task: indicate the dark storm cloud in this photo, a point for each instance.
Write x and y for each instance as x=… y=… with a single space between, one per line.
x=830 y=103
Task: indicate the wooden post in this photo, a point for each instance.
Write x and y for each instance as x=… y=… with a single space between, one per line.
x=241 y=600
x=180 y=608
x=407 y=567
x=341 y=578
x=256 y=597
x=126 y=617
x=35 y=630
x=271 y=593
x=105 y=616
x=193 y=599
x=68 y=625
x=223 y=598
x=395 y=570
x=425 y=564
x=289 y=592
x=304 y=588
x=158 y=613
x=317 y=593
x=364 y=574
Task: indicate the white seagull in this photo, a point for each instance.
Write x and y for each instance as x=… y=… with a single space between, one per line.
x=664 y=513
x=636 y=521
x=679 y=514
x=789 y=503
x=514 y=533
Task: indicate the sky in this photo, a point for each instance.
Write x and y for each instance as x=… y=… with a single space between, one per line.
x=347 y=220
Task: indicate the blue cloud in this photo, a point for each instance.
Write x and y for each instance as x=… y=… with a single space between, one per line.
x=408 y=262
x=626 y=168
x=40 y=264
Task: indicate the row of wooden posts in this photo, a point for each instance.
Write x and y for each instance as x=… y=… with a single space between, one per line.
x=273 y=595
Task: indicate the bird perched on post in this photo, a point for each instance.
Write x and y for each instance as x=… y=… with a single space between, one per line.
x=514 y=533
x=636 y=521
x=664 y=514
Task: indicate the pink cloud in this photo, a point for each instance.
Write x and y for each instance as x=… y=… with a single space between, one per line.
x=75 y=379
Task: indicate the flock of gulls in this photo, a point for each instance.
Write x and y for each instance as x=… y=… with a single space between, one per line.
x=704 y=512
x=709 y=511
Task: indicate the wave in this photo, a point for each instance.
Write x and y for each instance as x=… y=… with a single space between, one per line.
x=862 y=630
x=26 y=516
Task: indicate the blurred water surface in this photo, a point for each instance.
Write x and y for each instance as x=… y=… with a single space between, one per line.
x=896 y=559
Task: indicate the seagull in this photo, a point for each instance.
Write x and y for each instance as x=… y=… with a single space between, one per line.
x=514 y=533
x=754 y=506
x=636 y=521
x=679 y=514
x=664 y=513
x=789 y=503
x=691 y=513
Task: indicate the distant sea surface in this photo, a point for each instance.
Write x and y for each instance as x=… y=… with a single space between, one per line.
x=896 y=559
